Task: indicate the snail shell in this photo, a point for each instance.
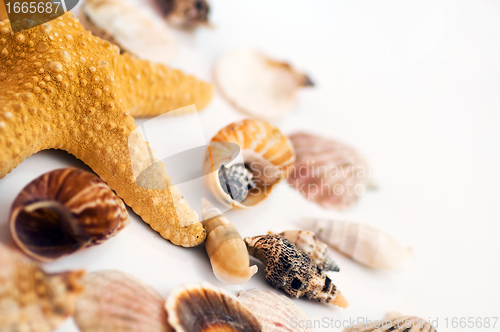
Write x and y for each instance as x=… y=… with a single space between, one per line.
x=30 y=299
x=394 y=322
x=225 y=247
x=292 y=270
x=262 y=150
x=362 y=243
x=64 y=211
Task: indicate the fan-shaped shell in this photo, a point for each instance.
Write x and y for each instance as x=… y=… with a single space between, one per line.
x=117 y=301
x=264 y=151
x=329 y=173
x=395 y=322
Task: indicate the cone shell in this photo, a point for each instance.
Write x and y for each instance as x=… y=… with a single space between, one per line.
x=64 y=211
x=116 y=301
x=266 y=151
x=30 y=299
x=328 y=173
x=275 y=312
x=395 y=322
x=202 y=307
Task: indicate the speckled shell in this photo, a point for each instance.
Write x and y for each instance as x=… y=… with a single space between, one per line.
x=329 y=173
x=292 y=270
x=88 y=213
x=30 y=299
x=362 y=243
x=117 y=301
x=203 y=307
x=263 y=146
x=275 y=312
x=395 y=322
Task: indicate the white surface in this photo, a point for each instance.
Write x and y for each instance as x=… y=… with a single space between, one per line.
x=415 y=86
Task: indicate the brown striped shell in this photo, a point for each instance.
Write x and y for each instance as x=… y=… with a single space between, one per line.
x=64 y=211
x=30 y=299
x=394 y=322
x=264 y=151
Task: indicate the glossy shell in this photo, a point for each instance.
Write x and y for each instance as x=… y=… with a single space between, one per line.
x=64 y=211
x=395 y=322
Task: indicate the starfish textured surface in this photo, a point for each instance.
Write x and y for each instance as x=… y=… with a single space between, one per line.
x=62 y=88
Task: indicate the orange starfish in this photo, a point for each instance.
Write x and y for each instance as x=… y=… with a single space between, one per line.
x=62 y=88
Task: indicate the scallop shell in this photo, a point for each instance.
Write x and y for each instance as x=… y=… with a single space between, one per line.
x=263 y=151
x=329 y=173
x=362 y=243
x=202 y=307
x=187 y=14
x=275 y=312
x=30 y=299
x=117 y=301
x=225 y=247
x=317 y=250
x=292 y=270
x=64 y=211
x=260 y=86
x=394 y=322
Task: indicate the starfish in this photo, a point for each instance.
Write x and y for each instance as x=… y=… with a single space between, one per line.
x=62 y=88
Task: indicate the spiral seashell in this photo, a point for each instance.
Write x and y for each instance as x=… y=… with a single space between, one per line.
x=267 y=158
x=30 y=299
x=327 y=172
x=117 y=301
x=276 y=313
x=394 y=322
x=202 y=307
x=317 y=250
x=64 y=211
x=225 y=247
x=362 y=243
x=292 y=270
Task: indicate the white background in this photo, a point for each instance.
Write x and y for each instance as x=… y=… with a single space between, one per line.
x=415 y=86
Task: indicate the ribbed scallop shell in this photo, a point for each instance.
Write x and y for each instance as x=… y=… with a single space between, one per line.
x=30 y=299
x=276 y=313
x=329 y=173
x=395 y=322
x=266 y=152
x=116 y=301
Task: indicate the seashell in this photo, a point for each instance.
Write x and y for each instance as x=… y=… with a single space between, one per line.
x=317 y=250
x=258 y=85
x=132 y=25
x=202 y=307
x=225 y=247
x=328 y=173
x=186 y=14
x=362 y=243
x=394 y=322
x=266 y=156
x=117 y=301
x=292 y=270
x=30 y=299
x=64 y=211
x=275 y=312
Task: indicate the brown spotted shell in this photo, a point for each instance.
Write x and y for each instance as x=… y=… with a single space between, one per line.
x=30 y=299
x=186 y=14
x=394 y=322
x=64 y=211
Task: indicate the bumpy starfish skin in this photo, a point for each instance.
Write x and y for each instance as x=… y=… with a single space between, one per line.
x=62 y=88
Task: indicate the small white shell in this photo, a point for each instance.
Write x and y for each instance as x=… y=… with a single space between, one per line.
x=362 y=243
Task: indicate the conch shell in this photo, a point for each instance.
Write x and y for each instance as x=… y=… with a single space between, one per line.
x=117 y=301
x=292 y=270
x=276 y=313
x=64 y=211
x=30 y=299
x=225 y=247
x=317 y=250
x=394 y=322
x=202 y=307
x=362 y=243
x=266 y=158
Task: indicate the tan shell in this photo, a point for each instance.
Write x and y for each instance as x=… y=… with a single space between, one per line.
x=227 y=252
x=202 y=307
x=362 y=243
x=292 y=270
x=30 y=299
x=395 y=322
x=276 y=313
x=329 y=173
x=64 y=211
x=264 y=147
x=117 y=301
x=258 y=85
